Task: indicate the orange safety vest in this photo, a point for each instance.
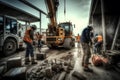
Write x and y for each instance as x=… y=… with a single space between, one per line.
x=78 y=38
x=26 y=37
x=100 y=39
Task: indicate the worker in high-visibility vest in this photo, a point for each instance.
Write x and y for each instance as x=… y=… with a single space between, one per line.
x=98 y=43
x=28 y=39
x=78 y=40
x=39 y=37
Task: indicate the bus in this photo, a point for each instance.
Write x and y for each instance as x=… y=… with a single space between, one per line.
x=10 y=37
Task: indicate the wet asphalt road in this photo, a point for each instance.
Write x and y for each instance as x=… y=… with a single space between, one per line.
x=98 y=72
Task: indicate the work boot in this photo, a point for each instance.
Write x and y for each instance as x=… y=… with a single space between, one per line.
x=33 y=60
x=27 y=60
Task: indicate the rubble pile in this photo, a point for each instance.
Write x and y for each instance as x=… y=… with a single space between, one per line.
x=54 y=69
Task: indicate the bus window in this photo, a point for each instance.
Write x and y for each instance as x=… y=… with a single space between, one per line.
x=14 y=26
x=7 y=25
x=11 y=26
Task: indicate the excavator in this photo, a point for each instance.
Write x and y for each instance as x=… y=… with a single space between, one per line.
x=61 y=34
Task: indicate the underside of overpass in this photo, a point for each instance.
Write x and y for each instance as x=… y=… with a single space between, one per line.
x=6 y=9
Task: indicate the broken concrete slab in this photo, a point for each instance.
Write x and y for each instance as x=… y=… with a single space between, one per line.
x=40 y=56
x=49 y=72
x=62 y=76
x=18 y=73
x=78 y=75
x=14 y=62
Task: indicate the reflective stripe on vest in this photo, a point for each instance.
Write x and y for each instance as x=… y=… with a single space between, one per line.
x=27 y=36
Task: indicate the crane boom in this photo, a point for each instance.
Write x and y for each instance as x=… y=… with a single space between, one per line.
x=58 y=34
x=52 y=6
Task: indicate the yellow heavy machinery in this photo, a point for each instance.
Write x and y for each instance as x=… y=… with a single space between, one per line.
x=58 y=34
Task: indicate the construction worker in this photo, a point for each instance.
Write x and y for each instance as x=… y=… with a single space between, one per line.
x=39 y=37
x=28 y=39
x=78 y=38
x=86 y=40
x=98 y=43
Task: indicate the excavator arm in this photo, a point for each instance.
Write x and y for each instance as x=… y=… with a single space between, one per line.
x=52 y=6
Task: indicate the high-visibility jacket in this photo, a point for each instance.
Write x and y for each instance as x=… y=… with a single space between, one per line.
x=100 y=38
x=78 y=38
x=26 y=37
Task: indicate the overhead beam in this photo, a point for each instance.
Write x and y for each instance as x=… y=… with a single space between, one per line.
x=31 y=5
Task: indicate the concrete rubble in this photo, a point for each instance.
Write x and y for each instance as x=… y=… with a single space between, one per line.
x=53 y=69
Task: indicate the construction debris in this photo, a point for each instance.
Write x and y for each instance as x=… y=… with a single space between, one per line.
x=18 y=73
x=40 y=56
x=62 y=76
x=54 y=69
x=14 y=62
x=78 y=75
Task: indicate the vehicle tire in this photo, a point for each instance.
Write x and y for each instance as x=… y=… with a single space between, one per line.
x=68 y=44
x=73 y=43
x=49 y=46
x=9 y=47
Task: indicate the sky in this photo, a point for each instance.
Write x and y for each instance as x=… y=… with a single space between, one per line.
x=77 y=12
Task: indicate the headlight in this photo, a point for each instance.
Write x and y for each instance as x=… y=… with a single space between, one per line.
x=60 y=39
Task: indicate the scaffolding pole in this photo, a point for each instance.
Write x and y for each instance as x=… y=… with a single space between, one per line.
x=40 y=23
x=103 y=25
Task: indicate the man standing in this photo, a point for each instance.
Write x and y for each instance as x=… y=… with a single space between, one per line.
x=86 y=40
x=39 y=37
x=28 y=39
x=78 y=40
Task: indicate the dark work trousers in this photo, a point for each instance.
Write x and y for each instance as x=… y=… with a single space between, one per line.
x=98 y=47
x=86 y=53
x=39 y=43
x=29 y=50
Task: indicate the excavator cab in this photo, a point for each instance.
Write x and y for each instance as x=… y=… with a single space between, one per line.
x=68 y=28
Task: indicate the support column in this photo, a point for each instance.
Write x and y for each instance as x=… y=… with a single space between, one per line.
x=103 y=25
x=26 y=25
x=40 y=23
x=116 y=34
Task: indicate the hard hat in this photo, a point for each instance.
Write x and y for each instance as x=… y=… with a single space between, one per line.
x=90 y=27
x=34 y=27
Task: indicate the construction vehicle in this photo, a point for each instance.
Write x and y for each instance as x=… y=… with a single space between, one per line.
x=9 y=35
x=58 y=34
